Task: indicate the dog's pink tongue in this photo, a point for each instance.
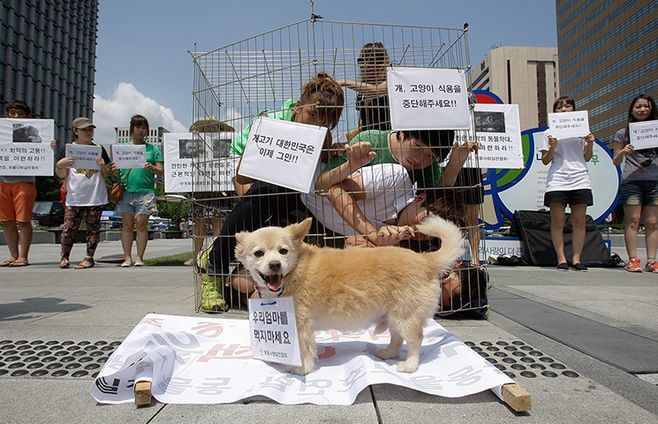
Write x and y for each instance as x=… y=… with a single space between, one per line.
x=274 y=282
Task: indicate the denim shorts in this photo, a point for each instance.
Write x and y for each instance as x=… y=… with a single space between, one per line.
x=639 y=193
x=137 y=203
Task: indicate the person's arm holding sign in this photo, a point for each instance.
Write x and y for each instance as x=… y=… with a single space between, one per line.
x=589 y=145
x=157 y=168
x=458 y=157
x=63 y=165
x=620 y=151
x=547 y=155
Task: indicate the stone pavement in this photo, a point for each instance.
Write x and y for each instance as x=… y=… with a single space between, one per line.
x=585 y=345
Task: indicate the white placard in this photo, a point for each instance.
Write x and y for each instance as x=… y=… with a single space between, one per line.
x=644 y=135
x=201 y=360
x=428 y=98
x=25 y=147
x=127 y=156
x=198 y=162
x=568 y=124
x=283 y=153
x=84 y=156
x=273 y=331
x=498 y=131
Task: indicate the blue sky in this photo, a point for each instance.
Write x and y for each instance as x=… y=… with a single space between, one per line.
x=143 y=66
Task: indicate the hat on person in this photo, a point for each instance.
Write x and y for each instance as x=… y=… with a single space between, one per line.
x=82 y=122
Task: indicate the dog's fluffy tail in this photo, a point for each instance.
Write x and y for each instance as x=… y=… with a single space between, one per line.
x=452 y=242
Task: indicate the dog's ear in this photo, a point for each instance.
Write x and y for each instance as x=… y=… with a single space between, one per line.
x=239 y=247
x=299 y=231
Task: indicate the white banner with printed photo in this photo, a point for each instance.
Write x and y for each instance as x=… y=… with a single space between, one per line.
x=84 y=156
x=129 y=156
x=568 y=124
x=283 y=153
x=644 y=135
x=25 y=147
x=198 y=360
x=428 y=99
x=198 y=162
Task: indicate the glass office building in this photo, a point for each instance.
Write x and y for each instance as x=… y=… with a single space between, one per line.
x=47 y=58
x=608 y=54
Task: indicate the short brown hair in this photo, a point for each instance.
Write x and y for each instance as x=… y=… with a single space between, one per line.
x=564 y=99
x=327 y=95
x=20 y=105
x=139 y=121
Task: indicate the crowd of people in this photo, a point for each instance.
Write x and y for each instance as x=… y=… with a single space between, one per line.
x=371 y=191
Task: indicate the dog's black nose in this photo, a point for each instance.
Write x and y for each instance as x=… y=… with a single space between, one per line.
x=275 y=266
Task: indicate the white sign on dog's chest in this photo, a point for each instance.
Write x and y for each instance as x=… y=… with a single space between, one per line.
x=274 y=331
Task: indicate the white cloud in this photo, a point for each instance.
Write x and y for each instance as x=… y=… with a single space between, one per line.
x=125 y=102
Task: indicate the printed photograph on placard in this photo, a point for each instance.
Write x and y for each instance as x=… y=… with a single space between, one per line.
x=23 y=133
x=27 y=130
x=188 y=148
x=491 y=122
x=221 y=147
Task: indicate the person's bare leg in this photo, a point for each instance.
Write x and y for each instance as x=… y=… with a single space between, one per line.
x=11 y=238
x=578 y=230
x=632 y=214
x=650 y=218
x=141 y=225
x=128 y=223
x=557 y=230
x=199 y=234
x=472 y=213
x=24 y=241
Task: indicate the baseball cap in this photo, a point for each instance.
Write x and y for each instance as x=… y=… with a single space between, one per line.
x=82 y=122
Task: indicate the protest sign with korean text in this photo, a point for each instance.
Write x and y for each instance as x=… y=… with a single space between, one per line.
x=644 y=135
x=428 y=98
x=273 y=330
x=198 y=162
x=568 y=124
x=84 y=156
x=127 y=156
x=25 y=147
x=283 y=153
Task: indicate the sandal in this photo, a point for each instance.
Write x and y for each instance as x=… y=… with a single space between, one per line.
x=7 y=262
x=86 y=263
x=18 y=263
x=64 y=263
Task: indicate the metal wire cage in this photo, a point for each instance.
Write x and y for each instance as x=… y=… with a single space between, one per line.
x=236 y=83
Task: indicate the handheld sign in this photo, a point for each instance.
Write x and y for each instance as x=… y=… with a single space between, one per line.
x=25 y=147
x=428 y=99
x=126 y=156
x=644 y=135
x=198 y=162
x=84 y=156
x=273 y=331
x=283 y=153
x=498 y=130
x=568 y=124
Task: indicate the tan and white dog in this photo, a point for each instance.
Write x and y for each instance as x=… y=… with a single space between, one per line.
x=349 y=289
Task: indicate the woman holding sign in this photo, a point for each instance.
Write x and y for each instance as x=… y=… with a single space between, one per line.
x=138 y=201
x=639 y=185
x=568 y=182
x=86 y=193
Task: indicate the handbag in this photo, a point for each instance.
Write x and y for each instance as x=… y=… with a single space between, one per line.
x=115 y=192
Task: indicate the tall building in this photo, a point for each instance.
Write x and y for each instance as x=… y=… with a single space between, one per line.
x=156 y=135
x=527 y=76
x=608 y=53
x=47 y=58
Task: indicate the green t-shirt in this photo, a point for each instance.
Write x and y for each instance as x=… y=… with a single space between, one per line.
x=426 y=177
x=285 y=114
x=140 y=180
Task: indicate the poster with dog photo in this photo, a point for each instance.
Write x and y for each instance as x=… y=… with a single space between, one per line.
x=25 y=147
x=193 y=163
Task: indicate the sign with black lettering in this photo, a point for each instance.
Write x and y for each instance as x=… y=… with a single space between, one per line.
x=274 y=331
x=25 y=147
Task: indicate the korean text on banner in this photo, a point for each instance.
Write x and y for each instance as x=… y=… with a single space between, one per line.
x=127 y=156
x=25 y=147
x=428 y=98
x=498 y=130
x=568 y=124
x=644 y=135
x=273 y=329
x=283 y=153
x=84 y=157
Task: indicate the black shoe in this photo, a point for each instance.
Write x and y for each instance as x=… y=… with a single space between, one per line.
x=562 y=266
x=579 y=267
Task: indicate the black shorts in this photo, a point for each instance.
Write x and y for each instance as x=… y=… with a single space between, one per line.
x=569 y=197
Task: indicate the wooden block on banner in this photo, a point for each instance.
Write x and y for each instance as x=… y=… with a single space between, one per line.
x=142 y=393
x=516 y=397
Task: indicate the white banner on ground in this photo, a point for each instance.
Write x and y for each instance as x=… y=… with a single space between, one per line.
x=198 y=360
x=25 y=147
x=283 y=153
x=568 y=124
x=428 y=99
x=127 y=156
x=644 y=135
x=198 y=162
x=84 y=156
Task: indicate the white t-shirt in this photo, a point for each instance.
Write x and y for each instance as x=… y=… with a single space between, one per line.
x=85 y=187
x=388 y=190
x=568 y=169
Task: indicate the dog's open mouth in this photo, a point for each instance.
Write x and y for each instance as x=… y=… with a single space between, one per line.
x=272 y=281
